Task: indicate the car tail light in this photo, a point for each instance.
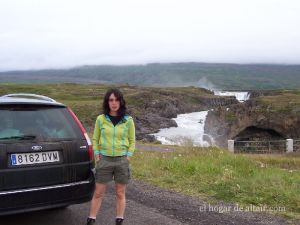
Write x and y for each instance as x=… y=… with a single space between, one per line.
x=91 y=154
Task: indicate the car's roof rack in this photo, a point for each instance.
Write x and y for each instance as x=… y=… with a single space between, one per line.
x=42 y=97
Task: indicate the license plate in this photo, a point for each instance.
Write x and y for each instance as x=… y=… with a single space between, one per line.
x=34 y=158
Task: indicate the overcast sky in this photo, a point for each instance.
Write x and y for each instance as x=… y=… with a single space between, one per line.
x=37 y=34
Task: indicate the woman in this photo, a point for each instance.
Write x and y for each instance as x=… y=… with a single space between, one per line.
x=113 y=144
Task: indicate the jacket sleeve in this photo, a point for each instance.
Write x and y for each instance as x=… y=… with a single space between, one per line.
x=131 y=138
x=96 y=137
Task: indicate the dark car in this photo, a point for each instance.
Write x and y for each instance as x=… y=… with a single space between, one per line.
x=46 y=157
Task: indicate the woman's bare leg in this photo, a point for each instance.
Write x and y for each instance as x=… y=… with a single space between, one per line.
x=121 y=201
x=97 y=199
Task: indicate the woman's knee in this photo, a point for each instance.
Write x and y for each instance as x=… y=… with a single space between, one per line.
x=99 y=191
x=98 y=194
x=120 y=193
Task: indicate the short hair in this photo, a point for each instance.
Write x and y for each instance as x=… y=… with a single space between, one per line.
x=119 y=96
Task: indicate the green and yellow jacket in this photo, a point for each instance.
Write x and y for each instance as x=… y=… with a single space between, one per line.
x=110 y=140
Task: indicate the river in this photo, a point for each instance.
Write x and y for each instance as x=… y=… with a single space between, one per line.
x=190 y=130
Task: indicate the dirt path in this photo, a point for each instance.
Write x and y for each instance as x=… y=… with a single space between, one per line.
x=190 y=210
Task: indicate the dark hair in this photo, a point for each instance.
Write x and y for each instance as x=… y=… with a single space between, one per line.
x=118 y=94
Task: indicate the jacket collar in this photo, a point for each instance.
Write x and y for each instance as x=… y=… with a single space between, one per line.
x=124 y=119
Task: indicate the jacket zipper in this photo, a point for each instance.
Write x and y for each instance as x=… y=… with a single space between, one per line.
x=113 y=147
x=114 y=141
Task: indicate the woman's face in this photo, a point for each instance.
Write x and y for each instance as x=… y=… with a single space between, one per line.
x=113 y=103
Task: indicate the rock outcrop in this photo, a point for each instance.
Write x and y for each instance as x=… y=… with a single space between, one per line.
x=252 y=120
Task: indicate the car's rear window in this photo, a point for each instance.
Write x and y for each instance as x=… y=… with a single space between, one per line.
x=47 y=122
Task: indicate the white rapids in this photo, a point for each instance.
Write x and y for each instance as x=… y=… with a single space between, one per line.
x=241 y=96
x=190 y=130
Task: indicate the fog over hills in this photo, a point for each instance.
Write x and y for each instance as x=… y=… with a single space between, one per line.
x=215 y=76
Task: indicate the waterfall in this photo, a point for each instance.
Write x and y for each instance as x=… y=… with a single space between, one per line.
x=241 y=96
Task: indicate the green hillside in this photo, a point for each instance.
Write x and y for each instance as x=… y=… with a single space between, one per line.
x=219 y=76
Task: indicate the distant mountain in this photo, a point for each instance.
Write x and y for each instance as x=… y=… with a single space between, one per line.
x=207 y=75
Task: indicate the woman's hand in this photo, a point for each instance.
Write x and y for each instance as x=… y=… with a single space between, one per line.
x=97 y=157
x=128 y=158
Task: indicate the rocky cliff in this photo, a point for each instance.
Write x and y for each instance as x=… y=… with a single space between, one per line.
x=276 y=116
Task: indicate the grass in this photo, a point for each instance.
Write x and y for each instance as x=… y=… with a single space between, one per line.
x=287 y=162
x=283 y=101
x=217 y=175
